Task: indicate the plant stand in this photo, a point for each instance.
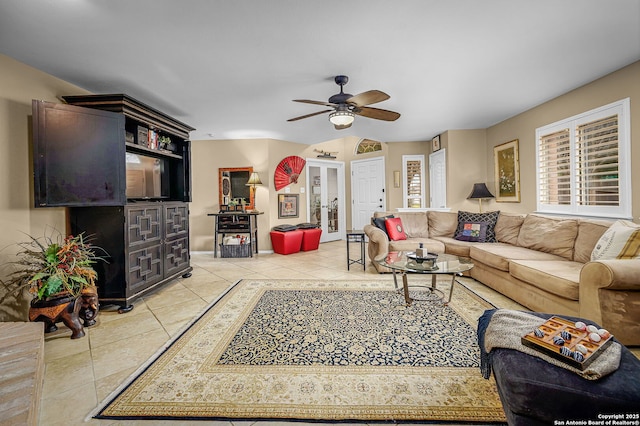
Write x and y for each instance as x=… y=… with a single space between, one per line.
x=63 y=308
x=89 y=306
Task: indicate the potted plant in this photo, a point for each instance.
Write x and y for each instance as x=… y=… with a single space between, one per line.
x=57 y=272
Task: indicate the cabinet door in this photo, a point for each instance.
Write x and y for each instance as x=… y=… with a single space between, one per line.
x=176 y=255
x=144 y=242
x=144 y=267
x=143 y=225
x=78 y=156
x=176 y=238
x=176 y=220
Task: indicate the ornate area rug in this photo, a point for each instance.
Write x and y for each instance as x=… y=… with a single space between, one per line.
x=319 y=350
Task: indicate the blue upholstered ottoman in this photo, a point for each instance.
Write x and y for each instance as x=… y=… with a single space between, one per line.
x=535 y=392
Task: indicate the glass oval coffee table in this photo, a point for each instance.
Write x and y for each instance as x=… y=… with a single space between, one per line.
x=405 y=262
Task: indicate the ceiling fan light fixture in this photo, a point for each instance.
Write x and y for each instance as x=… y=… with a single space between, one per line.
x=341 y=118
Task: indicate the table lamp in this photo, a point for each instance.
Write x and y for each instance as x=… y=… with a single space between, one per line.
x=254 y=180
x=480 y=192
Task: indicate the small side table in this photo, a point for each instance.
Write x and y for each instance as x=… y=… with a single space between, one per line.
x=356 y=237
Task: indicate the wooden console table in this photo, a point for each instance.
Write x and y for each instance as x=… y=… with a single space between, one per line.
x=236 y=223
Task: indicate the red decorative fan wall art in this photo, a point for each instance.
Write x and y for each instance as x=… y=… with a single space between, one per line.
x=288 y=171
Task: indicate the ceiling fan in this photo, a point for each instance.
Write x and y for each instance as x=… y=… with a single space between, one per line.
x=344 y=106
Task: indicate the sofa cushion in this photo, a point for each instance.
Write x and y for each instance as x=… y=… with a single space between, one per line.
x=442 y=224
x=508 y=227
x=473 y=231
x=382 y=214
x=589 y=232
x=549 y=235
x=411 y=244
x=416 y=224
x=560 y=277
x=455 y=247
x=620 y=241
x=395 y=229
x=490 y=218
x=497 y=255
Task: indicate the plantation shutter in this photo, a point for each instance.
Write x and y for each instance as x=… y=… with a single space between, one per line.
x=414 y=183
x=554 y=160
x=597 y=163
x=584 y=163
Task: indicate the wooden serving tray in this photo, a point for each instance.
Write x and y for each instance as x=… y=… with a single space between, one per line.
x=556 y=325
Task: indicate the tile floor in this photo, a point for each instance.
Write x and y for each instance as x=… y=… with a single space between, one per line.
x=79 y=374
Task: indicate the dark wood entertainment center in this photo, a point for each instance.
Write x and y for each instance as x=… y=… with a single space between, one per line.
x=122 y=168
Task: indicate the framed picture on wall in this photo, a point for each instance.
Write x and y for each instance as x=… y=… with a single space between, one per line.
x=287 y=205
x=507 y=172
x=435 y=143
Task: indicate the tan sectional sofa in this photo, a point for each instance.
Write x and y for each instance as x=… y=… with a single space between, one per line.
x=543 y=263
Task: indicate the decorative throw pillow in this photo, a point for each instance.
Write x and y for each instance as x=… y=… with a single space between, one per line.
x=489 y=218
x=620 y=241
x=379 y=222
x=395 y=229
x=473 y=231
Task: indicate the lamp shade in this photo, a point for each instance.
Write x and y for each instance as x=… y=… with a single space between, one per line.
x=254 y=179
x=341 y=118
x=480 y=191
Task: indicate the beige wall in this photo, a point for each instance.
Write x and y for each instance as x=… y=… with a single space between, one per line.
x=20 y=84
x=613 y=87
x=264 y=155
x=393 y=162
x=465 y=153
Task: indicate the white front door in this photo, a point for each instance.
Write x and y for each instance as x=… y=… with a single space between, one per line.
x=325 y=181
x=438 y=179
x=367 y=190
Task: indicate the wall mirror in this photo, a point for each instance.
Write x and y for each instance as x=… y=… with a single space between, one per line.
x=233 y=189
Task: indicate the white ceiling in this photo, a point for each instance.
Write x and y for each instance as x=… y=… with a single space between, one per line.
x=231 y=68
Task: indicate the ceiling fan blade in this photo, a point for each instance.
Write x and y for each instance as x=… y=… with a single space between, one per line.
x=309 y=115
x=377 y=113
x=307 y=101
x=342 y=127
x=368 y=98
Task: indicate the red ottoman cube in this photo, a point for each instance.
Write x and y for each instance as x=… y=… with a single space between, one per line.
x=310 y=239
x=286 y=242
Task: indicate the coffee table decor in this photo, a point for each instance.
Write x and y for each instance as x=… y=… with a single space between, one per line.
x=575 y=343
x=427 y=261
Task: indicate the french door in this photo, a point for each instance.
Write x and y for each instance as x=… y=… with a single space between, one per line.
x=325 y=181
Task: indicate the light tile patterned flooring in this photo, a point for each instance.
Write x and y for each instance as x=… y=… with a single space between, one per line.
x=81 y=373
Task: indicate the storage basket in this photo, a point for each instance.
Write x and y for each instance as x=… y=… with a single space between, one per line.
x=235 y=250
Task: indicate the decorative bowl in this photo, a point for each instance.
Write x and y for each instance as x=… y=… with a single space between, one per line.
x=429 y=260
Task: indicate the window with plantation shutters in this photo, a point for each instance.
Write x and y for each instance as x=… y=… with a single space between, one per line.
x=554 y=157
x=583 y=164
x=597 y=170
x=413 y=181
